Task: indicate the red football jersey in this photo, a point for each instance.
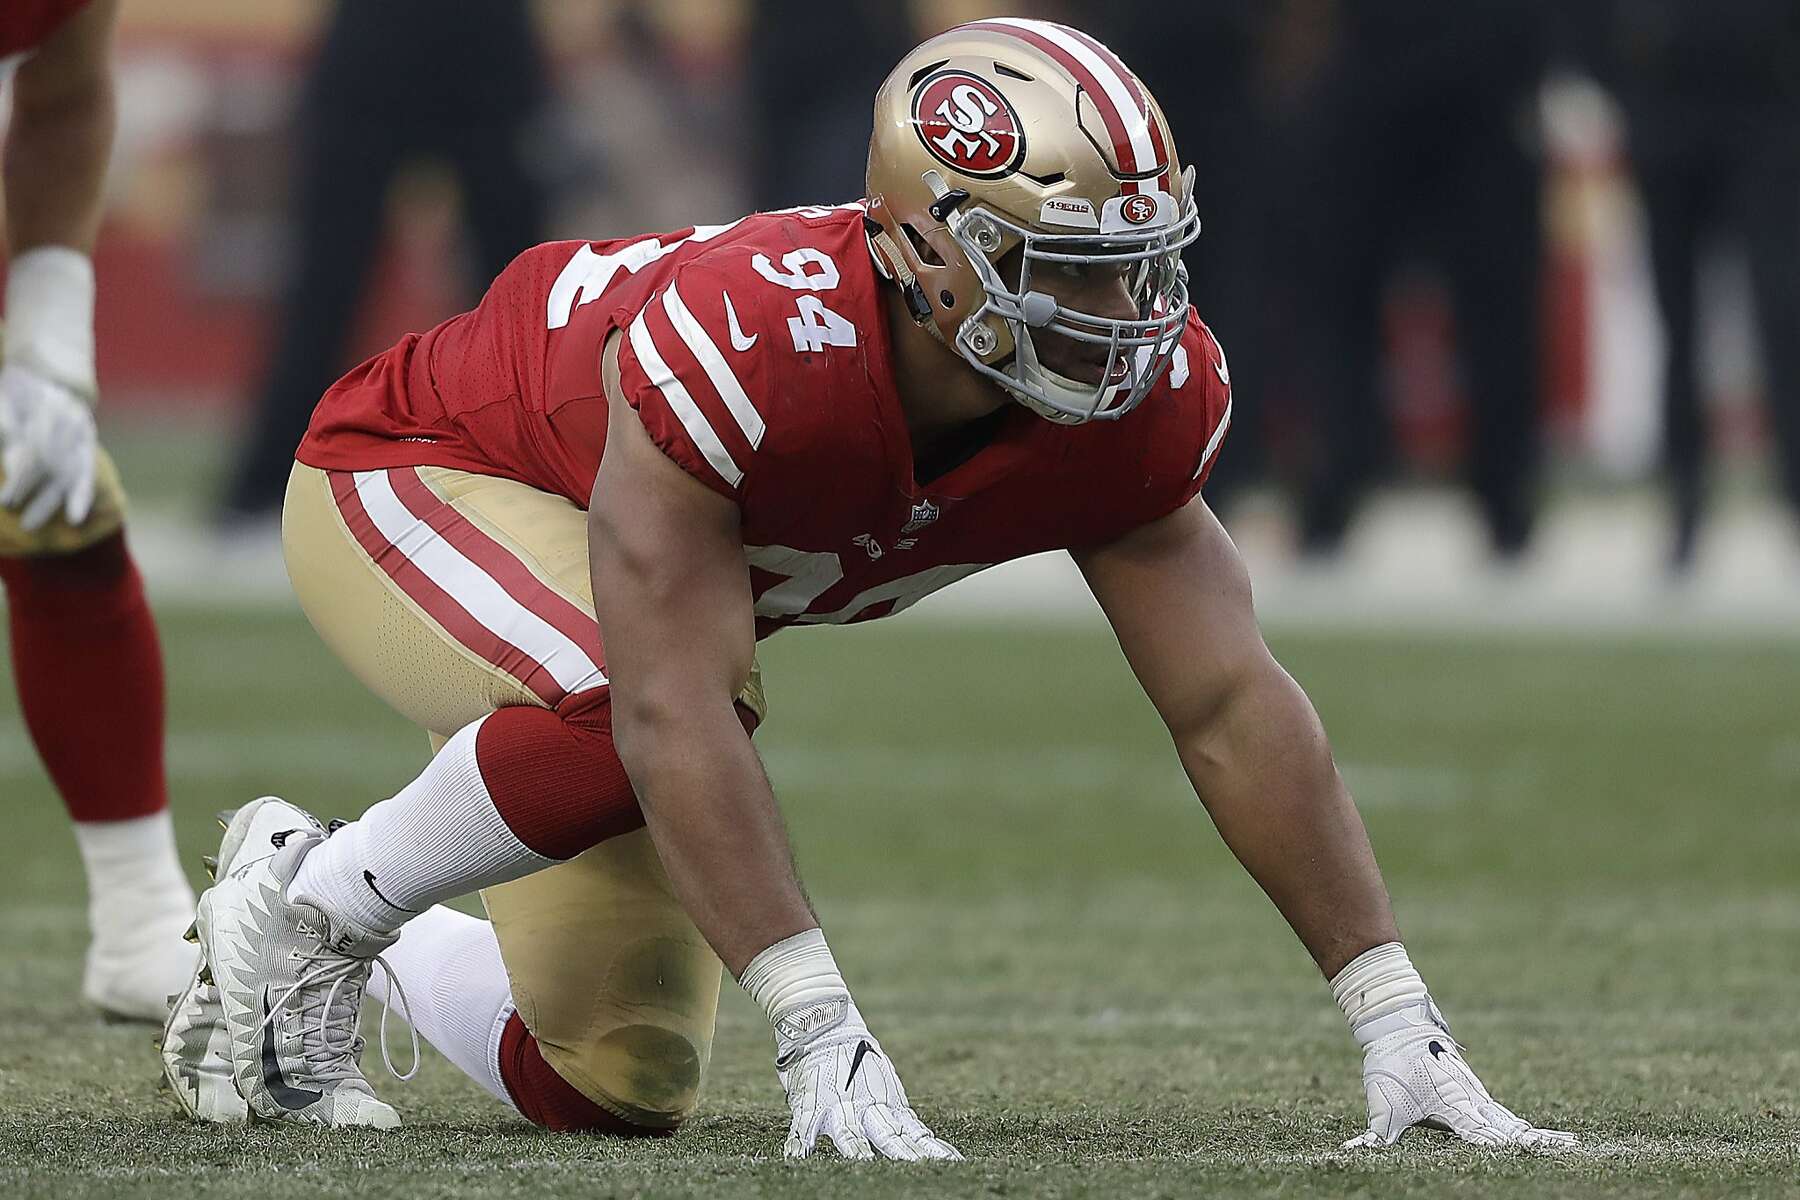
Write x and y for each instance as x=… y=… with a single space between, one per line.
x=757 y=357
x=24 y=24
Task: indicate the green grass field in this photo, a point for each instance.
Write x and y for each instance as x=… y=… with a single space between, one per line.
x=1594 y=851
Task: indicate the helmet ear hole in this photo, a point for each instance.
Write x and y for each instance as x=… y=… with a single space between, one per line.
x=921 y=247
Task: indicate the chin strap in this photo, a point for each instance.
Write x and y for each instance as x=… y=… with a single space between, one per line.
x=893 y=266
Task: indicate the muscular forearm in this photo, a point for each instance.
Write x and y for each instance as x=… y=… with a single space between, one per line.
x=56 y=153
x=1262 y=767
x=718 y=831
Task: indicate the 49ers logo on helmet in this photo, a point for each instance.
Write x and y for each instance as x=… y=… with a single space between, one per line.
x=968 y=125
x=1139 y=209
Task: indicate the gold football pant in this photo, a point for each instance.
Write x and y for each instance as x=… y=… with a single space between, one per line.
x=450 y=595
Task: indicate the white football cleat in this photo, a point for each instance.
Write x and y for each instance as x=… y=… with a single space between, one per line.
x=196 y=1047
x=290 y=981
x=196 y=1055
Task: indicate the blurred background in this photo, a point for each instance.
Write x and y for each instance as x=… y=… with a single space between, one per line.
x=1505 y=285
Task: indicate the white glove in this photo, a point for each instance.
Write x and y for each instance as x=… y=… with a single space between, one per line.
x=1415 y=1074
x=47 y=447
x=841 y=1085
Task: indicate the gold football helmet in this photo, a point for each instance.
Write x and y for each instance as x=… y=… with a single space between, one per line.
x=1009 y=133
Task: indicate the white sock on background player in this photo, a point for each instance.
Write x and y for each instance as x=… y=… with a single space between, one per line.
x=139 y=902
x=456 y=989
x=439 y=838
x=129 y=862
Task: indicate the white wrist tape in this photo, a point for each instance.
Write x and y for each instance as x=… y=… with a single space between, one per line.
x=50 y=316
x=1380 y=992
x=794 y=971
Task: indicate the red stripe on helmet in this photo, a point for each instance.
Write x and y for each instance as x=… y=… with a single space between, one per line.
x=1109 y=112
x=1137 y=88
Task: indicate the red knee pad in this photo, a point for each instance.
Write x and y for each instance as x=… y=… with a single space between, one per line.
x=555 y=776
x=560 y=787
x=547 y=1099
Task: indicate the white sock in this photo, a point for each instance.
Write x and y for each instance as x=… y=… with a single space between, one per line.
x=449 y=965
x=440 y=838
x=456 y=989
x=132 y=872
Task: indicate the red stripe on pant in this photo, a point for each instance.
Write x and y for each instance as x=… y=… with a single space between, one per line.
x=438 y=604
x=514 y=578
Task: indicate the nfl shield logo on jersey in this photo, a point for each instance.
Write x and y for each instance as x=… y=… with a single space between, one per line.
x=923 y=514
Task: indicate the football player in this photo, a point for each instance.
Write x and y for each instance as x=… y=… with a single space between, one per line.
x=807 y=417
x=84 y=648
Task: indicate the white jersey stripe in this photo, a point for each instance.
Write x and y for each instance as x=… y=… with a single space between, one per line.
x=1117 y=90
x=474 y=590
x=1218 y=435
x=715 y=366
x=682 y=404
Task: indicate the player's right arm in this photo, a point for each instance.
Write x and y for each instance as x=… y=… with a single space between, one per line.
x=672 y=593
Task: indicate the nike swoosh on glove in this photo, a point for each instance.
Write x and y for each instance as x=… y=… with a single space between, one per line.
x=47 y=448
x=1416 y=1075
x=840 y=1085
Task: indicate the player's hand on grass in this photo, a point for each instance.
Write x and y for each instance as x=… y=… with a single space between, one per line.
x=1417 y=1075
x=47 y=448
x=842 y=1088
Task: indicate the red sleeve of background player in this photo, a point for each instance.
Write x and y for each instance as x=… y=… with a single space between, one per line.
x=698 y=401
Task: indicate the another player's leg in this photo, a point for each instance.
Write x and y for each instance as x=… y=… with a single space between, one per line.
x=89 y=674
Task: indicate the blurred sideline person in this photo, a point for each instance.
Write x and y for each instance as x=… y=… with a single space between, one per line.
x=393 y=82
x=1221 y=71
x=1711 y=92
x=84 y=648
x=816 y=416
x=1424 y=116
x=809 y=84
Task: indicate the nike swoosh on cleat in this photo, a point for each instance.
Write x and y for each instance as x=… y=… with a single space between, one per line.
x=739 y=342
x=291 y=1098
x=862 y=1051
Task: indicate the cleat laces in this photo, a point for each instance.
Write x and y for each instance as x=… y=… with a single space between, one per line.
x=330 y=991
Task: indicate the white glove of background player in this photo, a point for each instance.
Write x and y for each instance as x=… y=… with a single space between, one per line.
x=47 y=447
x=840 y=1085
x=1415 y=1074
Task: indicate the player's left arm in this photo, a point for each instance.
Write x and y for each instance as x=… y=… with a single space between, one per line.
x=57 y=145
x=1178 y=598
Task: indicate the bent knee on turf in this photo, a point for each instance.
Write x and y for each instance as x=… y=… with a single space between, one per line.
x=548 y=1100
